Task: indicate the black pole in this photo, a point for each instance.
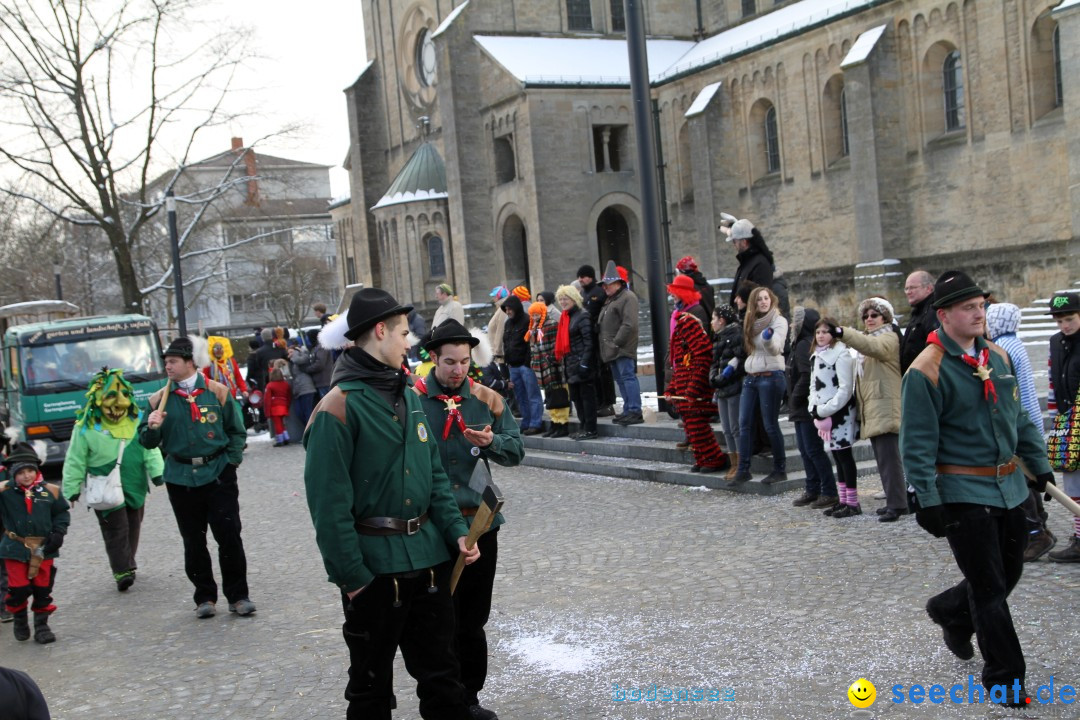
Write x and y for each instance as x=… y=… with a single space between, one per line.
x=650 y=203
x=178 y=280
x=56 y=277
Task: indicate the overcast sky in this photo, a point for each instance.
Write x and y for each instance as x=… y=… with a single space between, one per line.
x=310 y=51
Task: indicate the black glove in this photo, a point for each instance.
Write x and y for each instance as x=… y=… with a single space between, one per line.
x=228 y=474
x=1041 y=481
x=157 y=480
x=53 y=542
x=836 y=331
x=74 y=498
x=932 y=520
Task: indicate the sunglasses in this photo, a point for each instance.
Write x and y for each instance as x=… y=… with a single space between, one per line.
x=871 y=315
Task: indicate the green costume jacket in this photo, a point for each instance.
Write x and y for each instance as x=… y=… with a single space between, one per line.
x=480 y=406
x=947 y=421
x=181 y=436
x=363 y=461
x=49 y=514
x=93 y=450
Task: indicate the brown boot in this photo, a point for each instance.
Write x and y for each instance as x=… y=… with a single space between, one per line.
x=734 y=457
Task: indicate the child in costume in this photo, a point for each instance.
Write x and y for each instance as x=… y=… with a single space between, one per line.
x=542 y=332
x=277 y=399
x=35 y=518
x=106 y=424
x=224 y=368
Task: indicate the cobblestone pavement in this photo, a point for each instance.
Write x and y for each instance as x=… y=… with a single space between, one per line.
x=602 y=582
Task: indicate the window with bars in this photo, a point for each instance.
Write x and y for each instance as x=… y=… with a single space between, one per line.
x=436 y=257
x=618 y=16
x=772 y=142
x=748 y=8
x=953 y=88
x=1059 y=97
x=579 y=14
x=843 y=123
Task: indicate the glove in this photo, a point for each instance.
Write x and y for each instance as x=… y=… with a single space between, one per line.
x=836 y=331
x=767 y=333
x=74 y=498
x=228 y=475
x=156 y=480
x=932 y=520
x=824 y=428
x=1041 y=481
x=728 y=372
x=53 y=542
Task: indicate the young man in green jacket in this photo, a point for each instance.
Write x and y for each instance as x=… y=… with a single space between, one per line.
x=962 y=427
x=202 y=436
x=384 y=515
x=471 y=425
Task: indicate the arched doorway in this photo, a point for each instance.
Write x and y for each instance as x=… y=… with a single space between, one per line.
x=515 y=252
x=613 y=238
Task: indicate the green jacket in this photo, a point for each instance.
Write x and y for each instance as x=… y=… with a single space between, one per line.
x=180 y=436
x=49 y=514
x=94 y=451
x=480 y=406
x=363 y=461
x=947 y=421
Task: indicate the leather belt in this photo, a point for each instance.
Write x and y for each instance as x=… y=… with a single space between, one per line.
x=469 y=511
x=762 y=374
x=390 y=526
x=199 y=461
x=985 y=471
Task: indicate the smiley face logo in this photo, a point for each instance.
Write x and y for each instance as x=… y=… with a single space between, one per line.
x=862 y=693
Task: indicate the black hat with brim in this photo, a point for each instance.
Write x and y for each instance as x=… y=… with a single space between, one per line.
x=370 y=306
x=1064 y=303
x=954 y=286
x=450 y=331
x=22 y=455
x=180 y=347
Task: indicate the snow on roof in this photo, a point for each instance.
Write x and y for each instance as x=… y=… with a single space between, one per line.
x=762 y=30
x=702 y=100
x=574 y=61
x=449 y=19
x=860 y=51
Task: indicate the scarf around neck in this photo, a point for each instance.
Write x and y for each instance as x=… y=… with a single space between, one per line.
x=763 y=322
x=562 y=336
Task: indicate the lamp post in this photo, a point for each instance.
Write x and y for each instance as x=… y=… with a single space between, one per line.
x=178 y=280
x=57 y=264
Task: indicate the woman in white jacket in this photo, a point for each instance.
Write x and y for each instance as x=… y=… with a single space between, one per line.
x=832 y=405
x=764 y=332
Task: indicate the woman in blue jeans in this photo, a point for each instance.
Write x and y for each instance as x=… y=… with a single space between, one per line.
x=764 y=332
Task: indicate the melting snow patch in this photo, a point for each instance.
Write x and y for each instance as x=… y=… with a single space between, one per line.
x=552 y=656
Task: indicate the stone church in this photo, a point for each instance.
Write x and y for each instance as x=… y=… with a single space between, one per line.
x=492 y=141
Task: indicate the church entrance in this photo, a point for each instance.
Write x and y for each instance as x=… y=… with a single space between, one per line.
x=515 y=252
x=613 y=239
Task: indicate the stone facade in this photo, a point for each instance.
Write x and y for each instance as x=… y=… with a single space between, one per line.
x=932 y=134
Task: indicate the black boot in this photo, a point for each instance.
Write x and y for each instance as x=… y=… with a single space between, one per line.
x=550 y=431
x=562 y=430
x=22 y=625
x=42 y=633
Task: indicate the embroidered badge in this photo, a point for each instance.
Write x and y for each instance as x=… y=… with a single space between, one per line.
x=211 y=417
x=210 y=435
x=421 y=432
x=474 y=451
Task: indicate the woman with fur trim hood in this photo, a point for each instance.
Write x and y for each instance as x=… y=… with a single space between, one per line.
x=877 y=393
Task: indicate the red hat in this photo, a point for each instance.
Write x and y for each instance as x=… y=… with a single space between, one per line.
x=623 y=273
x=682 y=287
x=686 y=265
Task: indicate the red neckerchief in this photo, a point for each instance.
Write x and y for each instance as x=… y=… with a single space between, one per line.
x=196 y=415
x=28 y=493
x=453 y=408
x=982 y=365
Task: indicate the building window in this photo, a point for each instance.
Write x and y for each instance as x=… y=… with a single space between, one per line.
x=350 y=271
x=579 y=14
x=843 y=122
x=834 y=119
x=609 y=147
x=748 y=8
x=1059 y=97
x=772 y=142
x=505 y=170
x=618 y=16
x=236 y=303
x=436 y=257
x=952 y=83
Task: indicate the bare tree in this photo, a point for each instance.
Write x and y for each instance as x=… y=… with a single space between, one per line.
x=88 y=145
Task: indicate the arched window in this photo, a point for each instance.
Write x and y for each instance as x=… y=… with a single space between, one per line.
x=952 y=84
x=436 y=257
x=843 y=121
x=772 y=142
x=834 y=119
x=1059 y=97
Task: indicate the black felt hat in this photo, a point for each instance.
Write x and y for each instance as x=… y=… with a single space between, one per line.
x=369 y=306
x=954 y=286
x=22 y=455
x=181 y=347
x=450 y=331
x=1064 y=303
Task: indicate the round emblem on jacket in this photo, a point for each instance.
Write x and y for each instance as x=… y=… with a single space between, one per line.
x=421 y=432
x=210 y=435
x=474 y=451
x=211 y=417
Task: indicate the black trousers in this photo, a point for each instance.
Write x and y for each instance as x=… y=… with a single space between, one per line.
x=605 y=384
x=217 y=505
x=583 y=395
x=472 y=606
x=120 y=529
x=988 y=544
x=406 y=612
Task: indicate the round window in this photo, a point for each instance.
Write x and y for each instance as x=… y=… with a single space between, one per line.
x=425 y=59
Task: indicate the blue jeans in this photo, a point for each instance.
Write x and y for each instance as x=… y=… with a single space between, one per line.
x=819 y=473
x=625 y=371
x=765 y=392
x=530 y=402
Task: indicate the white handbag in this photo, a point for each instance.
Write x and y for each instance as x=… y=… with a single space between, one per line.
x=104 y=492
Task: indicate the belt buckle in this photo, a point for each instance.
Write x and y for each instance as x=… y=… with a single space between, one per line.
x=412 y=526
x=197 y=461
x=999 y=470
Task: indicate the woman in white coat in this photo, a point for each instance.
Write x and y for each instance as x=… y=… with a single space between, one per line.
x=832 y=405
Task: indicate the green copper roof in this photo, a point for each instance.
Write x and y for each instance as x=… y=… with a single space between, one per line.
x=422 y=178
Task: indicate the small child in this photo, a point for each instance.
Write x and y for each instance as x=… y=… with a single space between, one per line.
x=832 y=405
x=277 y=400
x=34 y=515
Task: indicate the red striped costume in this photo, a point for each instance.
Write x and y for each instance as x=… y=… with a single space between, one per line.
x=691 y=354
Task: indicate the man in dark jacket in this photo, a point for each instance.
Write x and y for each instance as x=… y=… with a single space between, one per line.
x=522 y=378
x=618 y=341
x=755 y=260
x=259 y=361
x=919 y=289
x=592 y=300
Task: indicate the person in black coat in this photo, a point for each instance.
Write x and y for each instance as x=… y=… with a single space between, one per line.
x=593 y=298
x=756 y=262
x=688 y=266
x=522 y=378
x=1064 y=386
x=820 y=480
x=575 y=346
x=726 y=375
x=919 y=289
